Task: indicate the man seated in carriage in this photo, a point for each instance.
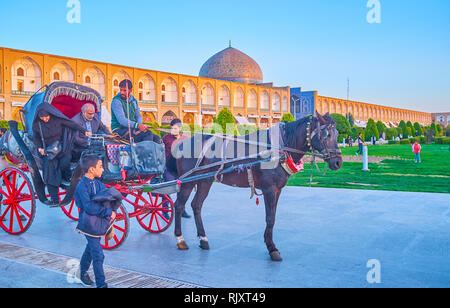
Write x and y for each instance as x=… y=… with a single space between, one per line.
x=126 y=116
x=90 y=120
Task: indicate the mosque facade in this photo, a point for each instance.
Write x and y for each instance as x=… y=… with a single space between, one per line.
x=228 y=79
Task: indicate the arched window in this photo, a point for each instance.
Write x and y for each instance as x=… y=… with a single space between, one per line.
x=87 y=79
x=163 y=88
x=116 y=83
x=56 y=76
x=141 y=85
x=20 y=72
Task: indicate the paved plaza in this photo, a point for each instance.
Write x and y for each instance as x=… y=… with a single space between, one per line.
x=326 y=237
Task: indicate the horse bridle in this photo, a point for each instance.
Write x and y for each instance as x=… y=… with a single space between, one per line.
x=322 y=132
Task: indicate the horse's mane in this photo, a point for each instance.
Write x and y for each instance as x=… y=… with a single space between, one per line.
x=290 y=132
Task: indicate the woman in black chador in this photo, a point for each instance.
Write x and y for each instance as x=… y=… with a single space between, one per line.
x=53 y=135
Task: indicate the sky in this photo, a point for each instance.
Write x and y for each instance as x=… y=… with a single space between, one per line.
x=403 y=61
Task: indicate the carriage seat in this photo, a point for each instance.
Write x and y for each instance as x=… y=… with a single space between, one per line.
x=113 y=153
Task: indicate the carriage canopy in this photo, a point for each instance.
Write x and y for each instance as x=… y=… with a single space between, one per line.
x=67 y=97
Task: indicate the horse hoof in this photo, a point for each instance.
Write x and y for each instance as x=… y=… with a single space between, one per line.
x=204 y=245
x=182 y=246
x=275 y=256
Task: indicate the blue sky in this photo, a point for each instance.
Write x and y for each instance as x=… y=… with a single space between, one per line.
x=317 y=44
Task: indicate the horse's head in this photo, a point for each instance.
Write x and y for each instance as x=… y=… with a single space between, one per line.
x=324 y=140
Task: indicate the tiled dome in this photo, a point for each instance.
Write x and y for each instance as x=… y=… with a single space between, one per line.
x=233 y=65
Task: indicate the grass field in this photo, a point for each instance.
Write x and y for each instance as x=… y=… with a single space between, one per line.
x=403 y=174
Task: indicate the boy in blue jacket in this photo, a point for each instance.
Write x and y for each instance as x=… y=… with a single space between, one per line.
x=88 y=187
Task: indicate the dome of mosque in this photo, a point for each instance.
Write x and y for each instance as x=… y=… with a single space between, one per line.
x=232 y=65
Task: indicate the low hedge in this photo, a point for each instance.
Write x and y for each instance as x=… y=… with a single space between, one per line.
x=418 y=139
x=442 y=140
x=393 y=142
x=405 y=141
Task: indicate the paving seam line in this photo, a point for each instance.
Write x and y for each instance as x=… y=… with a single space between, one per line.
x=5 y=254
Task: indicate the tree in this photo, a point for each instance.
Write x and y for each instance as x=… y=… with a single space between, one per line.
x=287 y=117
x=227 y=121
x=418 y=129
x=412 y=130
x=439 y=130
x=371 y=130
x=351 y=119
x=342 y=124
x=381 y=127
x=356 y=131
x=404 y=128
x=391 y=133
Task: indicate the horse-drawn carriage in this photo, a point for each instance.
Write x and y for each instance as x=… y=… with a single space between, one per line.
x=135 y=169
x=127 y=167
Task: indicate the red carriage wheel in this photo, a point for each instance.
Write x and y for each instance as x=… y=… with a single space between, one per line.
x=17 y=201
x=154 y=211
x=121 y=229
x=71 y=210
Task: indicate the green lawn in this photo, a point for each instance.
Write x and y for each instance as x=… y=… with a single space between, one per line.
x=432 y=175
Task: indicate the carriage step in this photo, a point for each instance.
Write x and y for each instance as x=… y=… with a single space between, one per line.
x=115 y=277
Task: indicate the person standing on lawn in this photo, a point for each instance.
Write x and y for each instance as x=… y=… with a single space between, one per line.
x=416 y=148
x=360 y=144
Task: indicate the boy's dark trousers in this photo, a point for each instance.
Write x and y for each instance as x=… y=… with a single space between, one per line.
x=94 y=254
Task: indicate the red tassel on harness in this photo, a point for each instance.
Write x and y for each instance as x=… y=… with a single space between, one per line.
x=257 y=201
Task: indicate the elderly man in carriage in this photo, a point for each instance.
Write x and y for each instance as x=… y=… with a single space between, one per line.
x=90 y=121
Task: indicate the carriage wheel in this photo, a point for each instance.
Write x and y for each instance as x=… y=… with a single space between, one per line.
x=18 y=204
x=155 y=211
x=121 y=229
x=71 y=210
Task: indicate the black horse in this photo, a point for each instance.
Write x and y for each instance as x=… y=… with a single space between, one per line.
x=316 y=133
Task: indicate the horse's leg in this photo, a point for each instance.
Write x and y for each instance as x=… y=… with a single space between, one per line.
x=271 y=200
x=203 y=189
x=182 y=198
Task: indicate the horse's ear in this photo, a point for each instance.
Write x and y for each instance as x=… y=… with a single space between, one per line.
x=320 y=118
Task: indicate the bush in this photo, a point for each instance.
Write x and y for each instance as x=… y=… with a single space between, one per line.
x=442 y=140
x=393 y=142
x=342 y=124
x=371 y=130
x=391 y=133
x=447 y=133
x=403 y=129
x=439 y=130
x=418 y=139
x=418 y=128
x=287 y=117
x=404 y=141
x=246 y=129
x=224 y=119
x=381 y=128
x=154 y=131
x=341 y=137
x=4 y=124
x=356 y=131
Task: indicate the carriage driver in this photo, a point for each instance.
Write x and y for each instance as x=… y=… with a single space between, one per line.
x=123 y=107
